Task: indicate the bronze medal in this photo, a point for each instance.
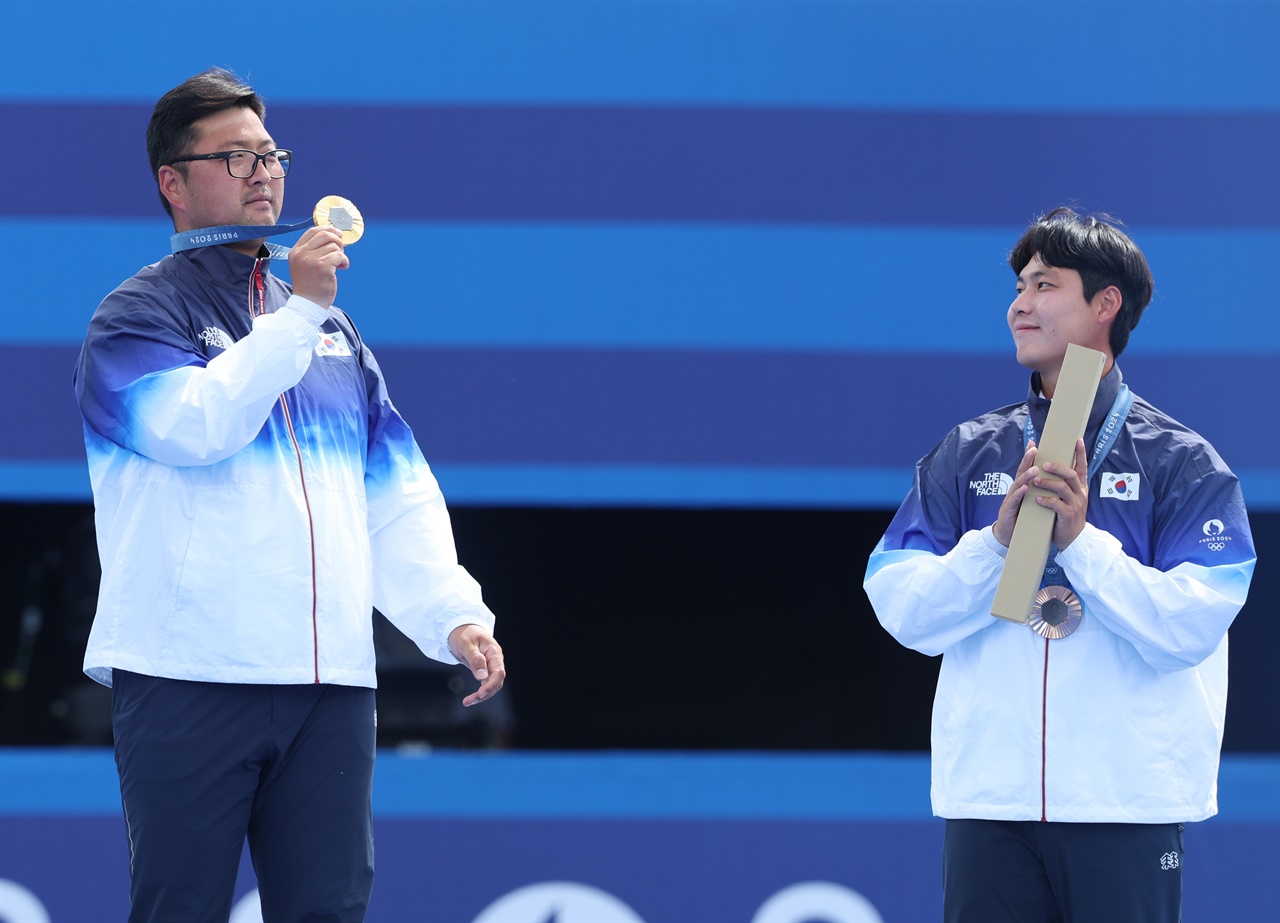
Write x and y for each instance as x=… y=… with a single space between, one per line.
x=1056 y=612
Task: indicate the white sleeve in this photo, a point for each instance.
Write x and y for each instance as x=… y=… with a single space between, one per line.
x=195 y=415
x=418 y=583
x=931 y=602
x=1174 y=618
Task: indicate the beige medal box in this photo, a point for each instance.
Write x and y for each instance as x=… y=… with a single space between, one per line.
x=1033 y=532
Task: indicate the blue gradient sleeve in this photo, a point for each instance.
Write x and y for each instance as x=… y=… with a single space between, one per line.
x=1176 y=612
x=930 y=584
x=142 y=384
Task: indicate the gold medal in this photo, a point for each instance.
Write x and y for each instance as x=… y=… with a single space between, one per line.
x=1057 y=613
x=335 y=211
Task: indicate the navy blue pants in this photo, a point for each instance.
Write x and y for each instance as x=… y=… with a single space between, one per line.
x=203 y=765
x=996 y=871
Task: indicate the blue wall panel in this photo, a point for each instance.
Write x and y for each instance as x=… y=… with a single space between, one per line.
x=670 y=836
x=679 y=253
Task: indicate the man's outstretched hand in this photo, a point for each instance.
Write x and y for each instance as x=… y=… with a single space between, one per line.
x=482 y=655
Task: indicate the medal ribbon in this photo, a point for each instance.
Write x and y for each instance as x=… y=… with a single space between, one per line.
x=228 y=233
x=1107 y=437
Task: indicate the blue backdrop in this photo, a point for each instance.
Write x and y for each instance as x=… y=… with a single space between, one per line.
x=615 y=838
x=680 y=253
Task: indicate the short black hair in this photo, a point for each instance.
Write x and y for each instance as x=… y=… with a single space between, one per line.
x=1097 y=248
x=170 y=133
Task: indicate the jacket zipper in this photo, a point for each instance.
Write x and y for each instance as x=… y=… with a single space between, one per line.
x=258 y=307
x=1044 y=736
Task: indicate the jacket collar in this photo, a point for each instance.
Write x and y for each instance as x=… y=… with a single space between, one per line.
x=1108 y=388
x=224 y=267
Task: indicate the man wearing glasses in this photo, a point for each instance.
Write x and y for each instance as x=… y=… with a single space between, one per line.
x=256 y=495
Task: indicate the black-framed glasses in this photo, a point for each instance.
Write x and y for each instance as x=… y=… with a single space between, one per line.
x=243 y=164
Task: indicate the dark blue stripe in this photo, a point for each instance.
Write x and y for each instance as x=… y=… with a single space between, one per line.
x=701 y=164
x=39 y=418
x=690 y=408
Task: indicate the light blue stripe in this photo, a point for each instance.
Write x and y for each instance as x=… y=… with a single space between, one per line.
x=40 y=481
x=852 y=786
x=1064 y=54
x=857 y=289
x=618 y=485
x=65 y=780
x=570 y=485
x=105 y=254
x=1261 y=488
x=656 y=786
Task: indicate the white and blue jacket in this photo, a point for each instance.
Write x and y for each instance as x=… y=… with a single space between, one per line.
x=256 y=493
x=1122 y=720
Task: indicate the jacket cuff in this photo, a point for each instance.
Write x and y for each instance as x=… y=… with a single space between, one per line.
x=1090 y=543
x=308 y=310
x=993 y=544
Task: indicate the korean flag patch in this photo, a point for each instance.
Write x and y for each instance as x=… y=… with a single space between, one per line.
x=1122 y=486
x=333 y=344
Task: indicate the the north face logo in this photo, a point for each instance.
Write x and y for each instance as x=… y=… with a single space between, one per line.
x=212 y=336
x=1169 y=861
x=993 y=484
